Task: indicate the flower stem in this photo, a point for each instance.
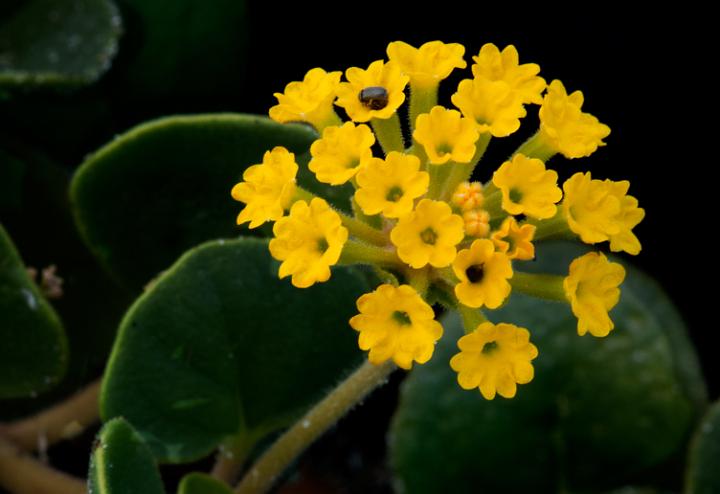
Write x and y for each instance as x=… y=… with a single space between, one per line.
x=355 y=252
x=22 y=474
x=389 y=133
x=554 y=228
x=536 y=147
x=422 y=99
x=545 y=286
x=461 y=172
x=471 y=318
x=61 y=421
x=363 y=231
x=312 y=425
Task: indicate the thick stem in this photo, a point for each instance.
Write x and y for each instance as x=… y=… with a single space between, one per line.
x=461 y=172
x=314 y=423
x=546 y=286
x=62 y=421
x=359 y=253
x=422 y=100
x=362 y=230
x=389 y=133
x=553 y=228
x=471 y=318
x=226 y=468
x=536 y=147
x=21 y=474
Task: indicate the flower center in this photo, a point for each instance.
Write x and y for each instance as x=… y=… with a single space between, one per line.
x=394 y=194
x=475 y=273
x=374 y=97
x=322 y=245
x=489 y=347
x=444 y=148
x=428 y=236
x=515 y=195
x=401 y=317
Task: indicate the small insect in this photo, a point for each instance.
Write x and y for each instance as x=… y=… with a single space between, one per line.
x=374 y=97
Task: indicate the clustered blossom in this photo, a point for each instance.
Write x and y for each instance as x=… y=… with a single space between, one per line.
x=433 y=234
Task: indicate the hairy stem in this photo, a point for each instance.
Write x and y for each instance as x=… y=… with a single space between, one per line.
x=312 y=425
x=61 y=421
x=22 y=474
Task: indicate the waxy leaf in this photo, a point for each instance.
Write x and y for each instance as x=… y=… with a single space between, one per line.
x=121 y=462
x=599 y=413
x=220 y=348
x=703 y=474
x=58 y=44
x=33 y=347
x=164 y=186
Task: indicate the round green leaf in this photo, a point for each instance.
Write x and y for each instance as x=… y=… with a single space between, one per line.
x=703 y=474
x=33 y=348
x=121 y=462
x=199 y=483
x=47 y=43
x=164 y=186
x=599 y=413
x=221 y=347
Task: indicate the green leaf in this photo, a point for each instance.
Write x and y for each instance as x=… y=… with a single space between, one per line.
x=91 y=306
x=221 y=347
x=198 y=45
x=47 y=43
x=164 y=186
x=703 y=475
x=599 y=413
x=33 y=348
x=199 y=483
x=122 y=463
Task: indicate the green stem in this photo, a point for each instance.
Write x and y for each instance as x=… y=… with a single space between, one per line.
x=419 y=279
x=355 y=252
x=471 y=318
x=554 y=228
x=313 y=424
x=536 y=147
x=389 y=133
x=461 y=172
x=545 y=286
x=422 y=99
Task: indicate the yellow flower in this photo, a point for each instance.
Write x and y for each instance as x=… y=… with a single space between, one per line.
x=527 y=187
x=592 y=289
x=599 y=210
x=494 y=65
x=494 y=358
x=396 y=323
x=341 y=152
x=446 y=136
x=515 y=240
x=428 y=235
x=390 y=186
x=308 y=101
x=483 y=275
x=492 y=104
x=629 y=217
x=267 y=188
x=468 y=195
x=429 y=64
x=565 y=128
x=373 y=93
x=477 y=222
x=308 y=241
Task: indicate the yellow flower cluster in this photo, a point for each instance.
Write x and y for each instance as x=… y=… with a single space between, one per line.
x=432 y=233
